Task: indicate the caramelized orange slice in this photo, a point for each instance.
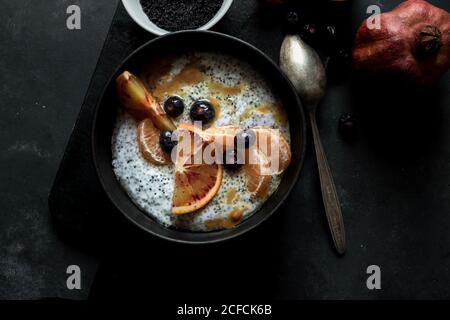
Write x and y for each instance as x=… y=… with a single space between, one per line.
x=148 y=139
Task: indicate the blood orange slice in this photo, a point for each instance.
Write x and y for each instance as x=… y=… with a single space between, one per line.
x=196 y=183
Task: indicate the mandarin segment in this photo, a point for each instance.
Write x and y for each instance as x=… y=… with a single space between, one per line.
x=222 y=136
x=268 y=139
x=258 y=182
x=148 y=140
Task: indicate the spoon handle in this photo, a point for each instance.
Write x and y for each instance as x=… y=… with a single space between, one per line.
x=329 y=195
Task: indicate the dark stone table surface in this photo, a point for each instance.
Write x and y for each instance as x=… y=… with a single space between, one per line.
x=393 y=181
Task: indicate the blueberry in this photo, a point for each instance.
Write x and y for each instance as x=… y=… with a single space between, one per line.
x=292 y=21
x=310 y=32
x=202 y=110
x=348 y=126
x=165 y=140
x=232 y=159
x=174 y=106
x=245 y=138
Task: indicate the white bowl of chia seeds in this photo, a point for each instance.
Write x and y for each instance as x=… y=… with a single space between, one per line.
x=164 y=16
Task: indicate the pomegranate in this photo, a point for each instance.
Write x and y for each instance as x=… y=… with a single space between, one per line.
x=413 y=40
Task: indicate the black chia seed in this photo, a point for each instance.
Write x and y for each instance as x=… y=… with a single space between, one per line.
x=174 y=15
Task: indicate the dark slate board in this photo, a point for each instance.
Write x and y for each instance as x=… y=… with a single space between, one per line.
x=394 y=184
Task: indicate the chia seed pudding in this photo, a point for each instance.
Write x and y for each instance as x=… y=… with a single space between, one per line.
x=175 y=15
x=245 y=100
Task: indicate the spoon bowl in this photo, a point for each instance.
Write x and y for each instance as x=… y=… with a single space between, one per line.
x=303 y=66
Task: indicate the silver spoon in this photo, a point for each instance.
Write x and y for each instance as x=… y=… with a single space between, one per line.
x=303 y=67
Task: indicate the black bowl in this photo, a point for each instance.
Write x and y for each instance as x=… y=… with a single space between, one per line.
x=180 y=42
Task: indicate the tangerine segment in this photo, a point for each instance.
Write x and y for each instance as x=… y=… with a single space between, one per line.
x=222 y=136
x=192 y=128
x=266 y=139
x=258 y=182
x=148 y=140
x=195 y=186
